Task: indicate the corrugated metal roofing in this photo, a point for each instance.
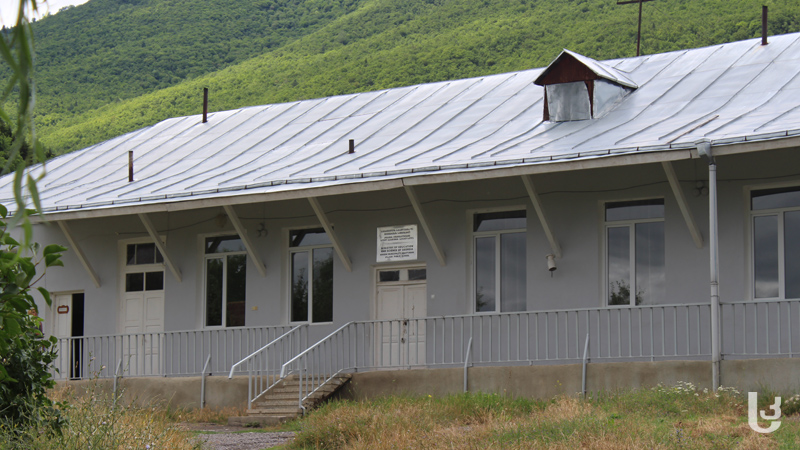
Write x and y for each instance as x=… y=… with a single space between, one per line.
x=727 y=93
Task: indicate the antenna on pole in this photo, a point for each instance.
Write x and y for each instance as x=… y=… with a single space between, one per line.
x=639 y=32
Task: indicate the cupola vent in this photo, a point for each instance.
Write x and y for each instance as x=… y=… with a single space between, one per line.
x=580 y=88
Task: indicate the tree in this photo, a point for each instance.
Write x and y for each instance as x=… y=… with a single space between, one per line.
x=24 y=353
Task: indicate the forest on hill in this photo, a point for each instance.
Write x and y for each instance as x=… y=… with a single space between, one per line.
x=112 y=66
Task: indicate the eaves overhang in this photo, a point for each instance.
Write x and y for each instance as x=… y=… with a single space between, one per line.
x=432 y=175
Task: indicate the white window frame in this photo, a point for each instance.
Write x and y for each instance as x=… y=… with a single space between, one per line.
x=474 y=235
x=309 y=249
x=751 y=216
x=204 y=280
x=631 y=225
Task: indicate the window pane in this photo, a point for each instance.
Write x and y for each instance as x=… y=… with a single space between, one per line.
x=791 y=239
x=154 y=281
x=485 y=274
x=299 y=287
x=417 y=274
x=506 y=220
x=619 y=266
x=650 y=282
x=134 y=282
x=235 y=290
x=775 y=198
x=306 y=238
x=389 y=275
x=131 y=259
x=765 y=254
x=222 y=244
x=214 y=292
x=322 y=308
x=640 y=209
x=145 y=253
x=512 y=272
x=159 y=258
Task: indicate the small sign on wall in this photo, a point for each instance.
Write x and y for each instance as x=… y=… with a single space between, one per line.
x=397 y=243
x=63 y=309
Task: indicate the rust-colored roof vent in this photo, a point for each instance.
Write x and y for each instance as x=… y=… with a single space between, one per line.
x=580 y=88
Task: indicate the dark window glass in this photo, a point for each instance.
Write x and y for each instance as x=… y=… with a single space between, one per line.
x=650 y=282
x=322 y=307
x=214 y=292
x=640 y=209
x=765 y=250
x=145 y=253
x=134 y=282
x=619 y=266
x=791 y=239
x=417 y=274
x=131 y=259
x=389 y=275
x=775 y=198
x=299 y=305
x=223 y=244
x=485 y=274
x=307 y=238
x=235 y=298
x=512 y=272
x=154 y=281
x=506 y=220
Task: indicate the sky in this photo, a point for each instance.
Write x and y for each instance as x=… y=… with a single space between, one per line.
x=8 y=9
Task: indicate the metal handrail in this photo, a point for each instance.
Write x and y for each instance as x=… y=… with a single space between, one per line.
x=252 y=355
x=261 y=374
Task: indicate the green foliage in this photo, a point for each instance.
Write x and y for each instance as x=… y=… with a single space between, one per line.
x=109 y=67
x=24 y=352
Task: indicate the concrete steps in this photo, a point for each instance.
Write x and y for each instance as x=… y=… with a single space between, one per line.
x=280 y=403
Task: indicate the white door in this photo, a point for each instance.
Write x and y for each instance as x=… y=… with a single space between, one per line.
x=400 y=300
x=61 y=314
x=142 y=323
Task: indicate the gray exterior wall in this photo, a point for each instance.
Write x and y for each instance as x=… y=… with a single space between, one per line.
x=572 y=200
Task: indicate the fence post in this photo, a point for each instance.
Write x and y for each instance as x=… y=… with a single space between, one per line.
x=585 y=362
x=466 y=362
x=203 y=383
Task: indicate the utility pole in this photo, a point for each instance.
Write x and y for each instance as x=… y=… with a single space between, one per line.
x=638 y=33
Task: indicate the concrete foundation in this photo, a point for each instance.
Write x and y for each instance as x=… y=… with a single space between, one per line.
x=781 y=375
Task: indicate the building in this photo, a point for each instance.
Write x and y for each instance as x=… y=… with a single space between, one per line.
x=477 y=222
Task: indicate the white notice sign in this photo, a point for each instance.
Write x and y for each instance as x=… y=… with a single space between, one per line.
x=397 y=243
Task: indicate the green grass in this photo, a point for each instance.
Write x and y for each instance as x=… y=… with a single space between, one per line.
x=678 y=417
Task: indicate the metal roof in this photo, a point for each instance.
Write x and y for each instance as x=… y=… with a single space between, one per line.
x=728 y=93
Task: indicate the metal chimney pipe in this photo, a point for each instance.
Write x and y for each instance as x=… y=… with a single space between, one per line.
x=130 y=166
x=352 y=146
x=205 y=105
x=764 y=13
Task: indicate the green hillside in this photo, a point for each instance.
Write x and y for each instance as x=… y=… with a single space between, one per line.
x=351 y=46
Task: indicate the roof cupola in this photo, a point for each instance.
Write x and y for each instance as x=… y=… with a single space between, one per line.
x=580 y=88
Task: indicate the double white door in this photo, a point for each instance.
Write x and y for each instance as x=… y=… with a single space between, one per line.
x=401 y=338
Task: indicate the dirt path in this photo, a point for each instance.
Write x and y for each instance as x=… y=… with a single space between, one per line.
x=224 y=437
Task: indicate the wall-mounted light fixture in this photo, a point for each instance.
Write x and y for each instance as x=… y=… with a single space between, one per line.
x=551 y=263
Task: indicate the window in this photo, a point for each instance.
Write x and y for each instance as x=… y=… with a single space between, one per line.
x=635 y=252
x=226 y=272
x=776 y=242
x=139 y=278
x=500 y=257
x=311 y=258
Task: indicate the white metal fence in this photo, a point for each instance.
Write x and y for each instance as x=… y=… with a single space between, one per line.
x=534 y=337
x=172 y=353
